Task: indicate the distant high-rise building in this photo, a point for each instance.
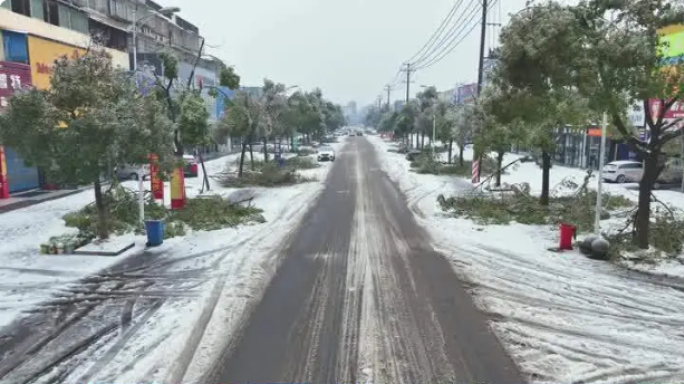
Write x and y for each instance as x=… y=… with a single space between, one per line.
x=399 y=105
x=352 y=108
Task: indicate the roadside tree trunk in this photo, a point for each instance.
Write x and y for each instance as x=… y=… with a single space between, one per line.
x=546 y=166
x=265 y=150
x=101 y=206
x=205 y=177
x=646 y=184
x=499 y=164
x=451 y=150
x=461 y=148
x=422 y=140
x=242 y=157
x=251 y=151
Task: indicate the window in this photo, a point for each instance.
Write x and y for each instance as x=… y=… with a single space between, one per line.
x=51 y=12
x=22 y=6
x=631 y=166
x=15 y=47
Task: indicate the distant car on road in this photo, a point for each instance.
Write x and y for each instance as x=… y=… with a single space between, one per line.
x=359 y=133
x=623 y=171
x=133 y=172
x=326 y=153
x=191 y=166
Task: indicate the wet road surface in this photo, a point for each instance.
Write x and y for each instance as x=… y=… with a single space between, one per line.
x=361 y=295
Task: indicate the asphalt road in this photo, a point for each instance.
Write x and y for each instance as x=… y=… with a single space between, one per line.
x=362 y=296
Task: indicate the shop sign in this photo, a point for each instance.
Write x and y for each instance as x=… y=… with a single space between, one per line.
x=13 y=77
x=636 y=115
x=43 y=54
x=656 y=106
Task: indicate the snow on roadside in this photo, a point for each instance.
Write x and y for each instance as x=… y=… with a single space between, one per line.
x=29 y=278
x=563 y=317
x=182 y=339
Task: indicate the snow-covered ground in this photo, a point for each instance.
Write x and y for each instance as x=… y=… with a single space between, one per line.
x=564 y=317
x=234 y=265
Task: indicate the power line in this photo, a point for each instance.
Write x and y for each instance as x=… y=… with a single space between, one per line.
x=437 y=32
x=459 y=23
x=453 y=44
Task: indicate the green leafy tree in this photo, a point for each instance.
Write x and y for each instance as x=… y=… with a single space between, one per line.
x=243 y=119
x=91 y=117
x=612 y=53
x=427 y=101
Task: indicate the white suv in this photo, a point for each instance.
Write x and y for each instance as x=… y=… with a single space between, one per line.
x=623 y=171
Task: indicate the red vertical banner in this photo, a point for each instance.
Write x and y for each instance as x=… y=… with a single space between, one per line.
x=156 y=183
x=4 y=186
x=178 y=188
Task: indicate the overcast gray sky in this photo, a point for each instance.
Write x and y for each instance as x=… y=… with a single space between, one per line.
x=348 y=48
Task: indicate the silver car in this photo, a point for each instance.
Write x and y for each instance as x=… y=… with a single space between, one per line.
x=133 y=172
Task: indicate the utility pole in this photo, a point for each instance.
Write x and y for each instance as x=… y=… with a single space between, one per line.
x=408 y=71
x=480 y=72
x=483 y=34
x=388 y=88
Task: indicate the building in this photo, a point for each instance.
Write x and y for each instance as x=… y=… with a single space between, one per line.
x=30 y=43
x=34 y=33
x=399 y=105
x=445 y=96
x=464 y=94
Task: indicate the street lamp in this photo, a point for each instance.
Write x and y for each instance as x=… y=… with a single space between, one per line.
x=166 y=11
x=434 y=125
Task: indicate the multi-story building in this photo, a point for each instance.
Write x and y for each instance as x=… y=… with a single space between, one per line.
x=399 y=105
x=34 y=33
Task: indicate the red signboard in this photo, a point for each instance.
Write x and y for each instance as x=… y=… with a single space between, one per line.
x=13 y=77
x=656 y=106
x=156 y=183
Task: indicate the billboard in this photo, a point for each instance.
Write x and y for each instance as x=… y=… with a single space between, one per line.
x=465 y=94
x=43 y=54
x=13 y=76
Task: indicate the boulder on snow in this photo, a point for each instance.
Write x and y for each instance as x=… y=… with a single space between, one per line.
x=242 y=195
x=599 y=249
x=585 y=244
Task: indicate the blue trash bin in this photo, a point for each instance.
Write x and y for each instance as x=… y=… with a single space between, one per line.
x=155 y=232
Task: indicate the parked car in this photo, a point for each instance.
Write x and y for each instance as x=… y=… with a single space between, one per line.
x=623 y=171
x=191 y=168
x=326 y=153
x=133 y=172
x=673 y=173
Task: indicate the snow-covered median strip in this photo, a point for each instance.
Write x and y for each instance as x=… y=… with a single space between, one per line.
x=563 y=317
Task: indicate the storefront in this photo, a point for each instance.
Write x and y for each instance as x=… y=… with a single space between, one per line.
x=43 y=54
x=14 y=173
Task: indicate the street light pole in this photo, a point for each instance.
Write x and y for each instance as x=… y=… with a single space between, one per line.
x=135 y=39
x=602 y=160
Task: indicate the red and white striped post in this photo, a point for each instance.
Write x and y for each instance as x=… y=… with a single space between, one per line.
x=476 y=171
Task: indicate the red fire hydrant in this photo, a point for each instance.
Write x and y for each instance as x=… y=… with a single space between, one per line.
x=568 y=233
